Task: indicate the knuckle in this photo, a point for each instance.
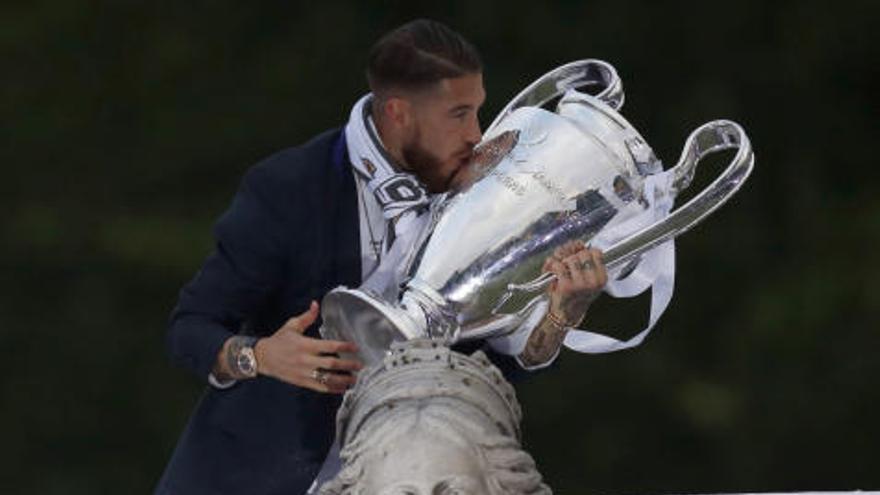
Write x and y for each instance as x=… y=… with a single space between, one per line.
x=296 y=359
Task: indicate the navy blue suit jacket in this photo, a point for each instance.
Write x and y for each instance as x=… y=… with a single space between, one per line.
x=290 y=236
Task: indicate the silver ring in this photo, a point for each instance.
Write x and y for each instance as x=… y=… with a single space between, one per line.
x=319 y=376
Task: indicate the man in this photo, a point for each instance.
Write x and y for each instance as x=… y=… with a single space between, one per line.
x=305 y=221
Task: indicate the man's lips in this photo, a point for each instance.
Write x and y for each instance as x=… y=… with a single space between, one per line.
x=463 y=162
x=461 y=170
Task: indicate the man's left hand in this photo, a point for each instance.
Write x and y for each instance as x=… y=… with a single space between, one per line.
x=580 y=278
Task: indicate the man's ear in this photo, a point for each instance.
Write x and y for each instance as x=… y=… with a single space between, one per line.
x=398 y=111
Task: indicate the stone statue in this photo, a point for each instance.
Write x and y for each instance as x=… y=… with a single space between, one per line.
x=430 y=421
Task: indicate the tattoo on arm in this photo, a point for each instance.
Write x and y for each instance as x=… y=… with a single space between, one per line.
x=543 y=343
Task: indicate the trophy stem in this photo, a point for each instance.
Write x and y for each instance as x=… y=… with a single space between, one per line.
x=373 y=323
x=430 y=308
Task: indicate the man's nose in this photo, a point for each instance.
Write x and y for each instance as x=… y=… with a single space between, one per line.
x=474 y=135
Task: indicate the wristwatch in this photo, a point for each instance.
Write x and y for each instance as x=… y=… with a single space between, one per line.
x=241 y=358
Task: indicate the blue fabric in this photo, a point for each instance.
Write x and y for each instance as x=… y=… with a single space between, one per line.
x=290 y=235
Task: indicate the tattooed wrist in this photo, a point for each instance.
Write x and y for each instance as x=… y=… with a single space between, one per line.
x=544 y=341
x=572 y=310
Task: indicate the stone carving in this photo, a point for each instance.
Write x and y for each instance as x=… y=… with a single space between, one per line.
x=430 y=421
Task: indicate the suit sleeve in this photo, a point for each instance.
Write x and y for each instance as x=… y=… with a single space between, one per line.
x=235 y=281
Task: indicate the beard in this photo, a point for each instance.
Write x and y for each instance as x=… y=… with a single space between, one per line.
x=426 y=166
x=429 y=168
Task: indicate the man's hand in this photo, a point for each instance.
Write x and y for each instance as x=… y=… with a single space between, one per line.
x=580 y=278
x=290 y=356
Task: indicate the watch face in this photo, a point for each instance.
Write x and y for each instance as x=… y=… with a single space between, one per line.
x=247 y=362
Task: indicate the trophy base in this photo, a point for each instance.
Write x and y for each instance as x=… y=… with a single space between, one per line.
x=367 y=321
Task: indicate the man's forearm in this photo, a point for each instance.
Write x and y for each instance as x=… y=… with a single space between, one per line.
x=544 y=342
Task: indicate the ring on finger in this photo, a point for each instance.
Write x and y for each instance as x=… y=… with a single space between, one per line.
x=319 y=376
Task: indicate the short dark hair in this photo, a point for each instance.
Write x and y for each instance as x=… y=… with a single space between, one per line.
x=419 y=54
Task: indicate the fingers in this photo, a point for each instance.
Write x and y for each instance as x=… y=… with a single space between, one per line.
x=324 y=374
x=331 y=383
x=331 y=363
x=568 y=249
x=559 y=269
x=581 y=276
x=328 y=374
x=320 y=346
x=301 y=322
x=548 y=268
x=581 y=270
x=307 y=362
x=598 y=267
x=576 y=271
x=590 y=273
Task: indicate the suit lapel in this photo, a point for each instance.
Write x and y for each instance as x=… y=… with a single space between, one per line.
x=346 y=242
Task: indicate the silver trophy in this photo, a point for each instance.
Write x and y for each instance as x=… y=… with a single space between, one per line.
x=540 y=178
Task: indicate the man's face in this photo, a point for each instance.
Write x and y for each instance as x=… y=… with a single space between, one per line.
x=445 y=128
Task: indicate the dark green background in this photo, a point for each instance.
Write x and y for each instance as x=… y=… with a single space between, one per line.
x=126 y=126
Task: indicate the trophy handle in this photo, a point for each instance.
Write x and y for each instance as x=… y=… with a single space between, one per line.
x=578 y=74
x=707 y=139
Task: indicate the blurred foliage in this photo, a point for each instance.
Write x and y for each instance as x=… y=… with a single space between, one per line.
x=126 y=126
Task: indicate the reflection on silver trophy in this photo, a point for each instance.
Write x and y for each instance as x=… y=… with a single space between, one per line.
x=541 y=177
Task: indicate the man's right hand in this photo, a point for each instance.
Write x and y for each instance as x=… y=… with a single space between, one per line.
x=290 y=356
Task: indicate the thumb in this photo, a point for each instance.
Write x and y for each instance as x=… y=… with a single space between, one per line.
x=304 y=320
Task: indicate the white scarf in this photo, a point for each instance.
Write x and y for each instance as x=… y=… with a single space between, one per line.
x=403 y=198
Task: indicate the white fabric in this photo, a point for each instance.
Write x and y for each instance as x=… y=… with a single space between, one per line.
x=372 y=225
x=403 y=200
x=221 y=384
x=656 y=271
x=400 y=194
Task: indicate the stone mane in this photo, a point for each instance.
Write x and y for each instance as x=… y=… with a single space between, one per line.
x=429 y=420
